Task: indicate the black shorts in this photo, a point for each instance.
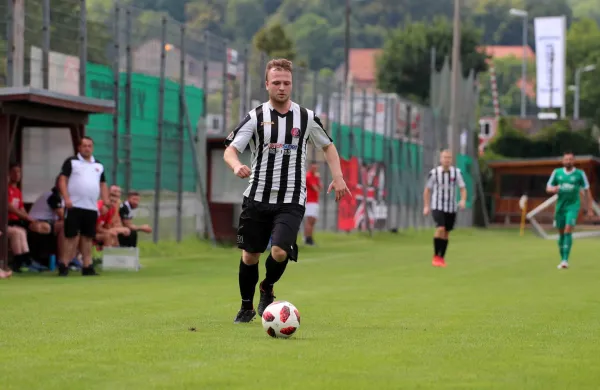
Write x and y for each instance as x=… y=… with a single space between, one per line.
x=80 y=221
x=443 y=219
x=20 y=223
x=260 y=222
x=49 y=222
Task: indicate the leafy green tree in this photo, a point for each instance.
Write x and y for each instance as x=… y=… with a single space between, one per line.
x=404 y=66
x=585 y=9
x=274 y=42
x=307 y=30
x=583 y=48
x=207 y=15
x=244 y=18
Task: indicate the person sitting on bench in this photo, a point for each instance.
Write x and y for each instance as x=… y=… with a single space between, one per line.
x=49 y=209
x=109 y=224
x=126 y=212
x=17 y=216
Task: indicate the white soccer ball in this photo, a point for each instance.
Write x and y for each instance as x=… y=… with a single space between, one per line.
x=281 y=319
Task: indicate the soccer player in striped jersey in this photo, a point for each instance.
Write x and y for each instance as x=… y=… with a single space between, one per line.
x=439 y=198
x=274 y=202
x=568 y=182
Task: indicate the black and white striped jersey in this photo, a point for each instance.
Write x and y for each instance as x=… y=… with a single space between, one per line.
x=443 y=186
x=278 y=145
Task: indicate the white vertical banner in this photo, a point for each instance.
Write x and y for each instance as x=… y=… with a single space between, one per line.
x=232 y=63
x=550 y=48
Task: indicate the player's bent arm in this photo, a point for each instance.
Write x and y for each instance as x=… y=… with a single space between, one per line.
x=333 y=160
x=62 y=186
x=463 y=194
x=462 y=185
x=590 y=198
x=231 y=157
x=587 y=191
x=427 y=197
x=21 y=213
x=428 y=187
x=128 y=223
x=60 y=213
x=551 y=185
x=104 y=190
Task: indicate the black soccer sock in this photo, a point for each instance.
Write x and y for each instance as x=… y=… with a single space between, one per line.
x=248 y=277
x=275 y=270
x=443 y=247
x=437 y=246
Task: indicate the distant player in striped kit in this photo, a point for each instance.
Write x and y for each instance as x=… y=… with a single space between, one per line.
x=439 y=198
x=274 y=202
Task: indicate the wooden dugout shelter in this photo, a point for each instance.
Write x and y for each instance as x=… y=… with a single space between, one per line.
x=22 y=107
x=515 y=178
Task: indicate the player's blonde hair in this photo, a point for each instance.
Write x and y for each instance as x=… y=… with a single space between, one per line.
x=278 y=64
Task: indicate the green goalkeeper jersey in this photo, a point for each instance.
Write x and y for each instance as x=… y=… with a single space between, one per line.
x=569 y=186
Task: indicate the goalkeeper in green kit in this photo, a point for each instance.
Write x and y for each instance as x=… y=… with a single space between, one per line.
x=568 y=182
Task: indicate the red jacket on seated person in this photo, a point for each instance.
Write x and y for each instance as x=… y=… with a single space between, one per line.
x=105 y=219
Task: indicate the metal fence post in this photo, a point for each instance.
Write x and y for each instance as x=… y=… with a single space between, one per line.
x=263 y=65
x=199 y=179
x=205 y=61
x=351 y=122
x=315 y=102
x=82 y=47
x=340 y=102
x=374 y=128
x=159 y=136
x=387 y=161
x=302 y=78
x=10 y=43
x=180 y=140
x=326 y=108
x=363 y=165
x=46 y=44
x=245 y=84
x=411 y=187
x=338 y=139
x=128 y=98
x=116 y=94
x=225 y=77
x=363 y=128
x=195 y=137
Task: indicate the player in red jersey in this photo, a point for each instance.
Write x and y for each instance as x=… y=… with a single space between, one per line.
x=313 y=188
x=109 y=224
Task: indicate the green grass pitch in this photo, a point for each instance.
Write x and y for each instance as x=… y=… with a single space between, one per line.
x=375 y=315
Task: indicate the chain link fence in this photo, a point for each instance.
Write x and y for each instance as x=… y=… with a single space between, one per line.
x=180 y=91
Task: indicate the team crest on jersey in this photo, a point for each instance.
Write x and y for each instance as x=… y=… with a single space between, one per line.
x=295 y=132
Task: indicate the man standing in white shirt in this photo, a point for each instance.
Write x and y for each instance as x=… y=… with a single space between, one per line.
x=81 y=183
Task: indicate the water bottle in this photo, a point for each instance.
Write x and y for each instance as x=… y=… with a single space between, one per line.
x=52 y=263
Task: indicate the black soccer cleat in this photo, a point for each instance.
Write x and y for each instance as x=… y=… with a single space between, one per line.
x=89 y=271
x=266 y=298
x=244 y=316
x=63 y=270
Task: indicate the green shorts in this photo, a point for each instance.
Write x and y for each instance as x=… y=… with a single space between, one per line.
x=565 y=218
